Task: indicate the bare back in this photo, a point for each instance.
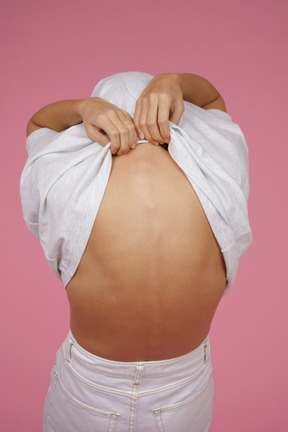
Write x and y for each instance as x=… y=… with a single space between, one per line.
x=152 y=273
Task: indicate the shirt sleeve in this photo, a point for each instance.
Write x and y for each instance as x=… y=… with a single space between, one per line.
x=29 y=187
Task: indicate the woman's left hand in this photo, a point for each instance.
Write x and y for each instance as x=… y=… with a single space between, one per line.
x=160 y=99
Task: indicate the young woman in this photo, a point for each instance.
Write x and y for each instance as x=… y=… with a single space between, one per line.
x=138 y=196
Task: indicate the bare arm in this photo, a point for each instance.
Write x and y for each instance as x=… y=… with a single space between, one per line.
x=98 y=116
x=200 y=92
x=168 y=90
x=162 y=100
x=57 y=116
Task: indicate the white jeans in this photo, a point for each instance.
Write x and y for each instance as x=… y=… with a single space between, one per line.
x=88 y=393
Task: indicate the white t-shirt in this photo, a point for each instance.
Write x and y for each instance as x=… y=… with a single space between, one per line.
x=66 y=174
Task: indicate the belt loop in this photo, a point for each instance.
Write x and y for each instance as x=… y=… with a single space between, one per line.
x=138 y=374
x=69 y=355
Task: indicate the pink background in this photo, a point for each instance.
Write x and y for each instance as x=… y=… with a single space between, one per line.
x=59 y=50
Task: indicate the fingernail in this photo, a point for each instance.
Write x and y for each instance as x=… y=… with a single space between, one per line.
x=141 y=136
x=133 y=146
x=155 y=142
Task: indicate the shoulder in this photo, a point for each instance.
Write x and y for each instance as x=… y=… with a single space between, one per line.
x=31 y=127
x=218 y=103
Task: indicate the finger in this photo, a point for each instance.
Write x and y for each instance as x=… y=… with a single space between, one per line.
x=96 y=135
x=163 y=119
x=152 y=123
x=120 y=121
x=132 y=138
x=177 y=112
x=105 y=123
x=136 y=119
x=113 y=132
x=143 y=121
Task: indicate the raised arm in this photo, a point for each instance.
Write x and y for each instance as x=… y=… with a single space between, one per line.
x=100 y=118
x=200 y=92
x=57 y=116
x=162 y=100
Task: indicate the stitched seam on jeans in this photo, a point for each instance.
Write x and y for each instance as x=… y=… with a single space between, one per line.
x=174 y=385
x=158 y=420
x=180 y=369
x=111 y=362
x=93 y=369
x=133 y=405
x=90 y=384
x=158 y=426
x=131 y=376
x=103 y=389
x=119 y=375
x=94 y=411
x=186 y=401
x=52 y=396
x=128 y=394
x=178 y=383
x=201 y=347
x=52 y=426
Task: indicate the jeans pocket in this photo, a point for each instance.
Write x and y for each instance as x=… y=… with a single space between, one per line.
x=193 y=414
x=67 y=414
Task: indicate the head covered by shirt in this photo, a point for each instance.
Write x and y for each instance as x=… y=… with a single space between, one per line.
x=66 y=174
x=122 y=89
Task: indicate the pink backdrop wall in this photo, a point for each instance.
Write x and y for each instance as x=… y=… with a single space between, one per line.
x=59 y=50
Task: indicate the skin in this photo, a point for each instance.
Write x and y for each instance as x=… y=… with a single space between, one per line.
x=152 y=274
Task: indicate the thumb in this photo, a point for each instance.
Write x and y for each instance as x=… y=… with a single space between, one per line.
x=96 y=135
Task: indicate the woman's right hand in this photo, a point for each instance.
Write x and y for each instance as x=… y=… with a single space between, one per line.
x=100 y=116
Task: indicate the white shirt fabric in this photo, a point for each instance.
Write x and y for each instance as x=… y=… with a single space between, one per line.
x=66 y=174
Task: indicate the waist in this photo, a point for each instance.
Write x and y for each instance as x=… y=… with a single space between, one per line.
x=194 y=361
x=142 y=319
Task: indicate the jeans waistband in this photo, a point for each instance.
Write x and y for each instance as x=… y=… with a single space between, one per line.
x=194 y=360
